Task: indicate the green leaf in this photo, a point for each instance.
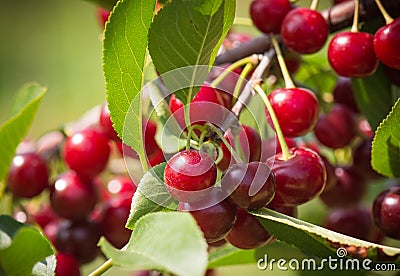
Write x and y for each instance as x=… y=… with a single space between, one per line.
x=373 y=96
x=188 y=33
x=26 y=239
x=169 y=242
x=320 y=242
x=14 y=129
x=106 y=4
x=124 y=56
x=386 y=144
x=150 y=196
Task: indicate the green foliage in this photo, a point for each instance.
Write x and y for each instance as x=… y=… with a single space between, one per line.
x=386 y=144
x=170 y=242
x=14 y=129
x=15 y=238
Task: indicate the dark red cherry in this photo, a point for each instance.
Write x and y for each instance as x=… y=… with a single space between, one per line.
x=298 y=179
x=121 y=185
x=337 y=128
x=331 y=178
x=67 y=265
x=250 y=185
x=87 y=152
x=349 y=190
x=296 y=109
x=267 y=15
x=215 y=221
x=188 y=174
x=343 y=94
x=286 y=210
x=304 y=31
x=362 y=159
x=351 y=54
x=386 y=212
x=386 y=43
x=28 y=175
x=271 y=146
x=105 y=123
x=248 y=233
x=73 y=197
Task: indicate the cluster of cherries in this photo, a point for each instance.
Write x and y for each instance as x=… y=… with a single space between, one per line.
x=81 y=206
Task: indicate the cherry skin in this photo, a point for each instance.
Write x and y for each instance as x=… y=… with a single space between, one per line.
x=105 y=123
x=296 y=109
x=331 y=178
x=189 y=172
x=216 y=221
x=343 y=94
x=386 y=43
x=386 y=212
x=102 y=15
x=298 y=179
x=28 y=175
x=121 y=185
x=304 y=31
x=362 y=159
x=250 y=185
x=44 y=216
x=73 y=197
x=352 y=54
x=67 y=265
x=337 y=128
x=248 y=233
x=267 y=15
x=87 y=152
x=154 y=153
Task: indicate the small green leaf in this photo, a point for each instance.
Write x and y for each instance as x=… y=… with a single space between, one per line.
x=373 y=96
x=106 y=4
x=317 y=241
x=386 y=144
x=14 y=129
x=150 y=196
x=170 y=242
x=124 y=56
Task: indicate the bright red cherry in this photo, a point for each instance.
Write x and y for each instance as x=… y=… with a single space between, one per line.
x=351 y=54
x=121 y=185
x=67 y=265
x=343 y=93
x=304 y=31
x=386 y=212
x=298 y=179
x=296 y=109
x=337 y=128
x=250 y=185
x=28 y=175
x=105 y=123
x=189 y=174
x=267 y=15
x=87 y=152
x=386 y=44
x=102 y=15
x=73 y=197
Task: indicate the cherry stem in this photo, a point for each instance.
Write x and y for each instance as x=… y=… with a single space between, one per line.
x=239 y=84
x=251 y=59
x=285 y=72
x=314 y=5
x=385 y=14
x=285 y=149
x=354 y=27
x=102 y=269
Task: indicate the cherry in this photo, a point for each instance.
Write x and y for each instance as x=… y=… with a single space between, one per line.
x=304 y=30
x=337 y=128
x=73 y=197
x=343 y=94
x=349 y=190
x=188 y=173
x=351 y=54
x=250 y=185
x=386 y=41
x=121 y=185
x=298 y=179
x=267 y=15
x=215 y=221
x=113 y=219
x=87 y=152
x=331 y=178
x=386 y=212
x=102 y=15
x=79 y=239
x=296 y=109
x=154 y=154
x=271 y=146
x=28 y=175
x=105 y=123
x=44 y=216
x=286 y=210
x=67 y=265
x=362 y=159
x=248 y=233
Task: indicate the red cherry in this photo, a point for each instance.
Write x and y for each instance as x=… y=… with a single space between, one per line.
x=267 y=15
x=386 y=44
x=44 y=216
x=105 y=123
x=304 y=31
x=121 y=185
x=352 y=54
x=298 y=179
x=343 y=93
x=103 y=16
x=188 y=173
x=386 y=212
x=296 y=109
x=67 y=265
x=286 y=210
